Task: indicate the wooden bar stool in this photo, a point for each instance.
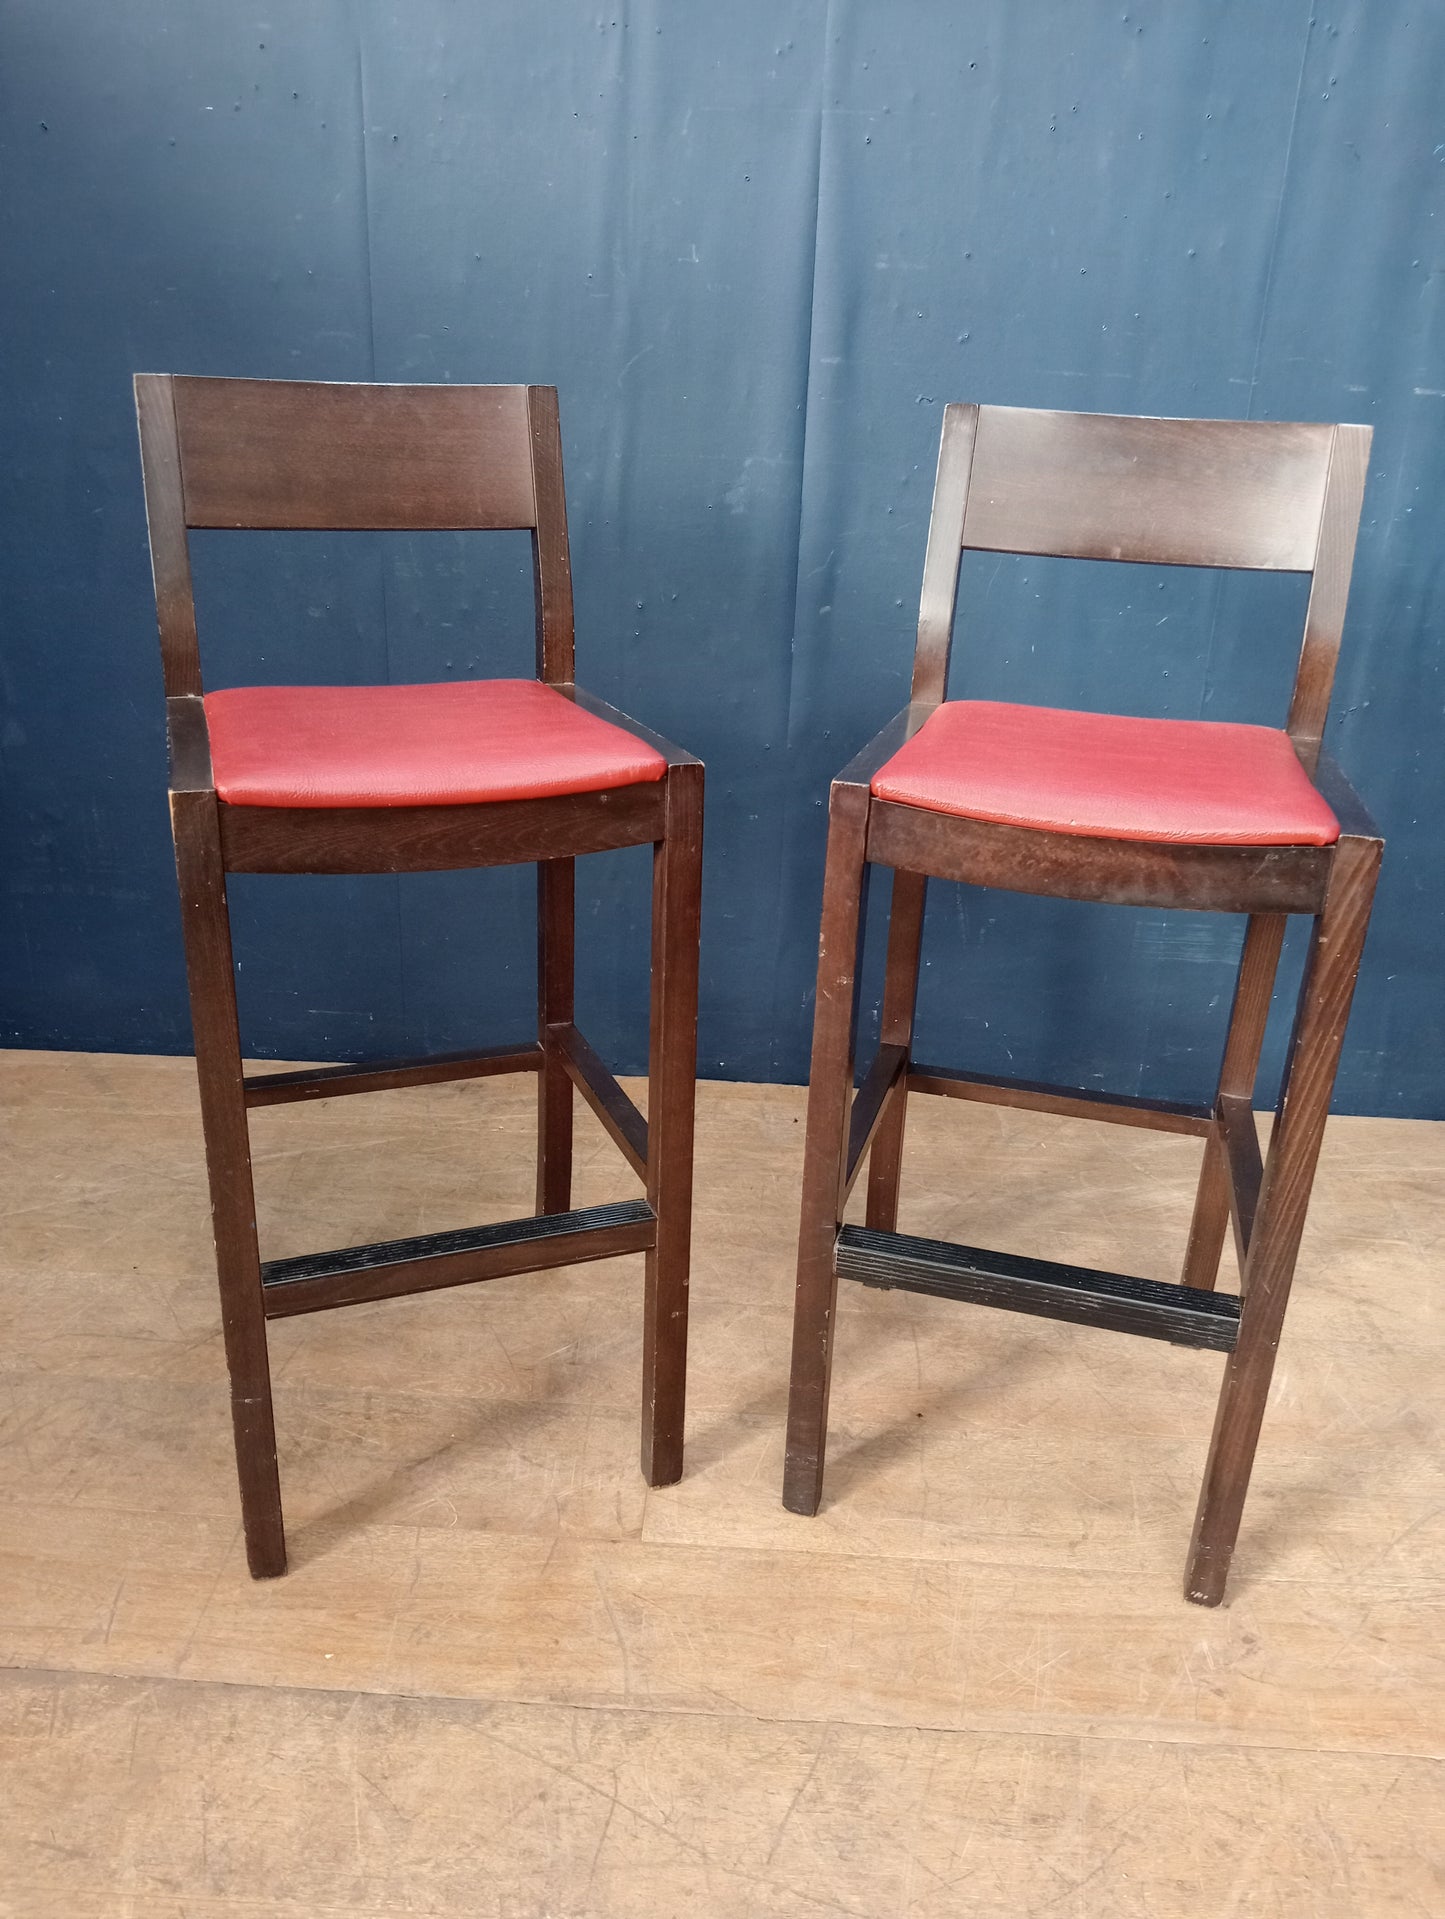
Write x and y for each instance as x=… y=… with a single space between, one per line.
x=1158 y=813
x=416 y=779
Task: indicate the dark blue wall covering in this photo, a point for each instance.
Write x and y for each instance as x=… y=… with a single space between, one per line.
x=756 y=248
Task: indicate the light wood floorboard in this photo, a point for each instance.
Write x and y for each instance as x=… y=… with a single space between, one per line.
x=504 y=1678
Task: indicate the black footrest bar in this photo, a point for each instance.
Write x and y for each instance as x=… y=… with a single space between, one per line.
x=312 y=1281
x=1184 y=1315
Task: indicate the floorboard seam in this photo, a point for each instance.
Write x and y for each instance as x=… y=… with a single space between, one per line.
x=887 y=1727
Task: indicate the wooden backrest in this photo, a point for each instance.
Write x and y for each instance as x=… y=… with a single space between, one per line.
x=1102 y=486
x=293 y=454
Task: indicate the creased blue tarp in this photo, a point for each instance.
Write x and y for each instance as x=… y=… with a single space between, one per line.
x=756 y=248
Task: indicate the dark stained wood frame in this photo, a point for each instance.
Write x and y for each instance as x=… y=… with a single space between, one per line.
x=248 y=453
x=1185 y=492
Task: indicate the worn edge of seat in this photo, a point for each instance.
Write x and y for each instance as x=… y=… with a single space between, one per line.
x=395 y=839
x=1026 y=859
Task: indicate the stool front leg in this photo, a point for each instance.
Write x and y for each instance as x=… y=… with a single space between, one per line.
x=556 y=968
x=205 y=922
x=1304 y=1105
x=830 y=1082
x=671 y=1097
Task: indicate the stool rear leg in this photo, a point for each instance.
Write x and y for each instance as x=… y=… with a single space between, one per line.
x=671 y=1095
x=1258 y=965
x=830 y=1082
x=556 y=957
x=900 y=995
x=1294 y=1146
x=206 y=925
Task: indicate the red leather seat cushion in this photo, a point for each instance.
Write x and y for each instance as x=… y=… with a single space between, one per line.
x=1105 y=776
x=440 y=745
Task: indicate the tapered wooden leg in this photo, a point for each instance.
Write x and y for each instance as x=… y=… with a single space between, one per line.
x=671 y=1091
x=830 y=1082
x=1258 y=966
x=556 y=947
x=206 y=925
x=900 y=994
x=1304 y=1105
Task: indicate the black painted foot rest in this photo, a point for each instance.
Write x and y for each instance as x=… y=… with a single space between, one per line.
x=315 y=1280
x=1185 y=1315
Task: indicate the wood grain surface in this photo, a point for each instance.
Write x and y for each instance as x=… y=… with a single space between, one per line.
x=504 y=1676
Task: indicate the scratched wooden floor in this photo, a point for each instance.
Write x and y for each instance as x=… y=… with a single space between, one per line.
x=502 y=1678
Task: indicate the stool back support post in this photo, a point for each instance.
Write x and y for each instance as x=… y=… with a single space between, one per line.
x=166 y=522
x=293 y=455
x=1329 y=590
x=1202 y=493
x=944 y=552
x=551 y=554
x=671 y=1075
x=930 y=685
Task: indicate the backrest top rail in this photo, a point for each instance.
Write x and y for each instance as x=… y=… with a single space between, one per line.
x=1224 y=493
x=295 y=455
x=299 y=454
x=1261 y=495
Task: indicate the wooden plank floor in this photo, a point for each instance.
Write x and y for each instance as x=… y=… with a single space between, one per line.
x=503 y=1678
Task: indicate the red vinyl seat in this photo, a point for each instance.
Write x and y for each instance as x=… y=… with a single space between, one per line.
x=1108 y=776
x=452 y=744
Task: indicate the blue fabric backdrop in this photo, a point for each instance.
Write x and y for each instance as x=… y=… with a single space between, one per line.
x=756 y=247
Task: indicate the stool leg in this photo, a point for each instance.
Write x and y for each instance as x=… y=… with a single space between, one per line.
x=556 y=947
x=206 y=925
x=671 y=1093
x=1304 y=1105
x=830 y=1082
x=1257 y=968
x=900 y=993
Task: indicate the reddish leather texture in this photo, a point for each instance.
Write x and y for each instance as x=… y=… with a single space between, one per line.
x=451 y=744
x=1106 y=776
